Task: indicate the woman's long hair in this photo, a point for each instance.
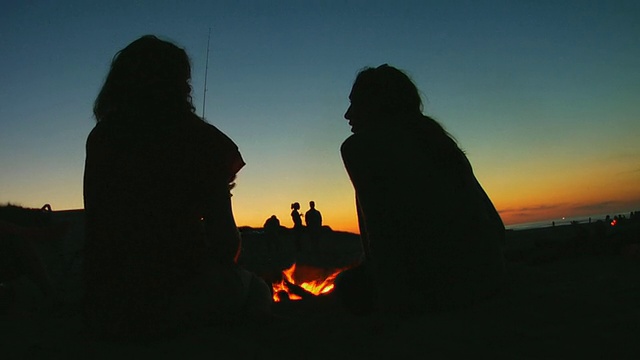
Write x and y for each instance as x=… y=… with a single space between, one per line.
x=148 y=80
x=395 y=97
x=390 y=90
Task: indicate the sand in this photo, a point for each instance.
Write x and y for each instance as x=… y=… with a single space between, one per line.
x=573 y=292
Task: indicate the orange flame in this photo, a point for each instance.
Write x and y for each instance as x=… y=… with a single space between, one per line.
x=320 y=284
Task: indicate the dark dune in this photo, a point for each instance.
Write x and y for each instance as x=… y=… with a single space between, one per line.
x=573 y=291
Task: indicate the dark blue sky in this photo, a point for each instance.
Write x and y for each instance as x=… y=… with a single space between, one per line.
x=542 y=95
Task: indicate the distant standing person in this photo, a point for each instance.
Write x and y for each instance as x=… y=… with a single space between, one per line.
x=313 y=219
x=298 y=228
x=407 y=171
x=161 y=244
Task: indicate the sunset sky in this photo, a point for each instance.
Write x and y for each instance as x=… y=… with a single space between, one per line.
x=543 y=96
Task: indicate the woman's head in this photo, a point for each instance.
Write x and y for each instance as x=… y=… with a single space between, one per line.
x=147 y=78
x=295 y=206
x=382 y=94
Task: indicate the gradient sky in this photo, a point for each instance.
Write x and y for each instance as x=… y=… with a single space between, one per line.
x=542 y=95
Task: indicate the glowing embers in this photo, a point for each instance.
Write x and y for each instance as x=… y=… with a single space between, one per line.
x=314 y=280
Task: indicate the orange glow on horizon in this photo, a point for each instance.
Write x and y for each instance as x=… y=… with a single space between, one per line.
x=517 y=203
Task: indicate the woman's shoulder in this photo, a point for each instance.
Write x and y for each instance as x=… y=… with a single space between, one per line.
x=98 y=129
x=210 y=133
x=379 y=143
x=362 y=142
x=217 y=144
x=96 y=135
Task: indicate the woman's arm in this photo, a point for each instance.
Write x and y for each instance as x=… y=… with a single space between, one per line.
x=364 y=236
x=220 y=225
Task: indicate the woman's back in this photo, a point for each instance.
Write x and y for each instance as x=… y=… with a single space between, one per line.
x=146 y=190
x=426 y=218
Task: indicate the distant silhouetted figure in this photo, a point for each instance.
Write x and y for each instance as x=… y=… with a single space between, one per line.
x=161 y=240
x=406 y=172
x=295 y=215
x=272 y=232
x=313 y=219
x=298 y=228
x=272 y=224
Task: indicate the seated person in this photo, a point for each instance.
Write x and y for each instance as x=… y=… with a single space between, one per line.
x=161 y=240
x=431 y=236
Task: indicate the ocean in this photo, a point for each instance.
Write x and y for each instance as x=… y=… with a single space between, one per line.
x=563 y=221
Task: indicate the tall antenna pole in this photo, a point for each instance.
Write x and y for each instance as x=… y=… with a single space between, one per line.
x=206 y=73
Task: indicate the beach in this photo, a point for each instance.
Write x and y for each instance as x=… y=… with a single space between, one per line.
x=572 y=292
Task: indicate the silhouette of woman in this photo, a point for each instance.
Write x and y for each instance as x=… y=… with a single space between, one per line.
x=406 y=172
x=161 y=239
x=297 y=225
x=295 y=215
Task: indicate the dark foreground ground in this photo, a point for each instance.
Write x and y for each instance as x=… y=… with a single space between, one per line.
x=574 y=292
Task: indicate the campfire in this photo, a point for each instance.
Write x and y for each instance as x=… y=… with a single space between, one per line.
x=314 y=280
